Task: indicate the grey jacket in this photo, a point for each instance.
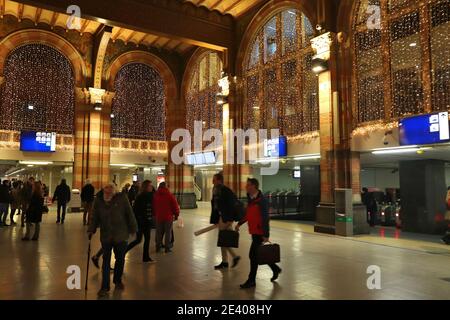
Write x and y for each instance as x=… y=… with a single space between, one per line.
x=116 y=219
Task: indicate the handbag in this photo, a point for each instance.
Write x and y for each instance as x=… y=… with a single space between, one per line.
x=228 y=239
x=268 y=254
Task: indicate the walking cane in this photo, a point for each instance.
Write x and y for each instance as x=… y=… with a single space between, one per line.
x=87 y=269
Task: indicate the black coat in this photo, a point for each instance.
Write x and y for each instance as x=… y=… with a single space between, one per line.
x=143 y=209
x=62 y=193
x=226 y=206
x=5 y=195
x=35 y=210
x=88 y=193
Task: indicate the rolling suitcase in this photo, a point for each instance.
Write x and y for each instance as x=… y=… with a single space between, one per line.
x=268 y=254
x=228 y=239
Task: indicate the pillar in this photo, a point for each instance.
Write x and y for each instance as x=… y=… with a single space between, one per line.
x=92 y=138
x=179 y=177
x=339 y=166
x=423 y=194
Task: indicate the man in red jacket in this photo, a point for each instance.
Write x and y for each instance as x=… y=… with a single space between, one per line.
x=165 y=208
x=257 y=216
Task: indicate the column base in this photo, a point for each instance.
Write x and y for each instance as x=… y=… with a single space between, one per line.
x=187 y=200
x=325 y=219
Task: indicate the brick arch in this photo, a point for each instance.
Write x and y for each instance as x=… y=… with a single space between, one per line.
x=170 y=84
x=262 y=17
x=23 y=37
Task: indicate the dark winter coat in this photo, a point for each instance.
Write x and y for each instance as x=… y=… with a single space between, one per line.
x=223 y=205
x=62 y=193
x=88 y=193
x=143 y=209
x=115 y=219
x=35 y=209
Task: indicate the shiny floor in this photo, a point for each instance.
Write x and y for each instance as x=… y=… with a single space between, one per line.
x=314 y=266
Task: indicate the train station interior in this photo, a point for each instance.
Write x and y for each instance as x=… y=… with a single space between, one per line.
x=348 y=100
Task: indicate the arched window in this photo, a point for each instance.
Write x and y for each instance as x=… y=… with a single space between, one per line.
x=402 y=65
x=280 y=88
x=201 y=92
x=139 y=105
x=39 y=92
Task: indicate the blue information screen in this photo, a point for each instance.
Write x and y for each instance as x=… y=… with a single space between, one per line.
x=276 y=147
x=32 y=141
x=424 y=129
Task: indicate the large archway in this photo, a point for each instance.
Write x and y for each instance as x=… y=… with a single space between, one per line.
x=19 y=38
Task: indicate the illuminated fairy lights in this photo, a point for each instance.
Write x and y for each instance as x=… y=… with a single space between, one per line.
x=201 y=96
x=38 y=93
x=281 y=91
x=138 y=105
x=414 y=40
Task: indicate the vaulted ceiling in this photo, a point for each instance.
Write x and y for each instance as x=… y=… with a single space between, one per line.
x=233 y=7
x=54 y=19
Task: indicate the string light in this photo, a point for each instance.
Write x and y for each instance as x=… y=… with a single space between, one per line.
x=138 y=105
x=403 y=44
x=39 y=76
x=201 y=98
x=281 y=90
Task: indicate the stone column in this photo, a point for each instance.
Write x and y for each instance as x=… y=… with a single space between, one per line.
x=339 y=167
x=92 y=138
x=179 y=177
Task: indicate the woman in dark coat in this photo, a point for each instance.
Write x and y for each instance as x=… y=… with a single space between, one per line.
x=34 y=212
x=142 y=208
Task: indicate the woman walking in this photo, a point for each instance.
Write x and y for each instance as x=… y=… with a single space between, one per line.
x=34 y=212
x=143 y=211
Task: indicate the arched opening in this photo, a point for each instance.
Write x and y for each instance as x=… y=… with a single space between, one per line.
x=280 y=90
x=138 y=107
x=201 y=92
x=38 y=93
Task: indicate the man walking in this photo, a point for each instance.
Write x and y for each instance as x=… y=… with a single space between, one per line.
x=112 y=212
x=257 y=216
x=87 y=198
x=62 y=196
x=222 y=213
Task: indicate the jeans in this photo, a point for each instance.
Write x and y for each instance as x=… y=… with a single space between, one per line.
x=3 y=212
x=144 y=231
x=257 y=241
x=164 y=228
x=119 y=253
x=62 y=206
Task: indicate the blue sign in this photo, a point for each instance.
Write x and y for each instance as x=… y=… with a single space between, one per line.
x=424 y=129
x=275 y=148
x=32 y=141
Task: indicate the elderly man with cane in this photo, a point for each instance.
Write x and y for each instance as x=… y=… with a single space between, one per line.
x=112 y=212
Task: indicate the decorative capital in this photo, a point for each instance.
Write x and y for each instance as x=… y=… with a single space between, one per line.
x=322 y=45
x=96 y=95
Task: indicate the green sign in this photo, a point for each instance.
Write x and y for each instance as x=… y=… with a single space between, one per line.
x=344 y=219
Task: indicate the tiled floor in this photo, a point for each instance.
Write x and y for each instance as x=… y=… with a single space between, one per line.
x=314 y=266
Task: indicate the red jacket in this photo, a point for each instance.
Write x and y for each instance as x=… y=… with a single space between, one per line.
x=257 y=216
x=165 y=205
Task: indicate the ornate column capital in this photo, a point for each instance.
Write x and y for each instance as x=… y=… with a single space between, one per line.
x=322 y=45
